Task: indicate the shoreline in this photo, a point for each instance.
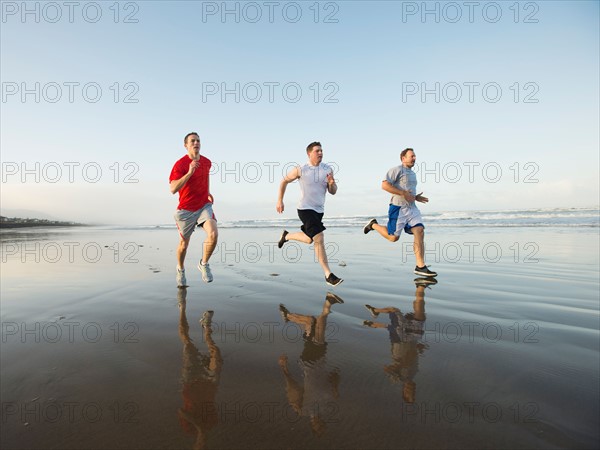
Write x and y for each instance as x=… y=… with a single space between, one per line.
x=13 y=225
x=507 y=357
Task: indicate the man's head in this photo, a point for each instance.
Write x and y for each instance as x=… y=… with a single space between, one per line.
x=315 y=153
x=408 y=157
x=191 y=143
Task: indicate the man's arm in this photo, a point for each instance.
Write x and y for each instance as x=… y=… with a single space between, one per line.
x=292 y=175
x=210 y=196
x=178 y=184
x=331 y=184
x=388 y=187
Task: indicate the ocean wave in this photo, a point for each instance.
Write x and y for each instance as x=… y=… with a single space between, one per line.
x=529 y=218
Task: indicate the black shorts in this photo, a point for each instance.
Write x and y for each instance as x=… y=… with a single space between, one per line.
x=311 y=222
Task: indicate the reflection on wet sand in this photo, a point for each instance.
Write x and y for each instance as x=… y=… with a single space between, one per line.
x=200 y=376
x=406 y=331
x=315 y=397
x=9 y=235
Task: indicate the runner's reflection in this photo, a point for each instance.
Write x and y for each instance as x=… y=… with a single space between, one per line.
x=406 y=331
x=200 y=376
x=314 y=398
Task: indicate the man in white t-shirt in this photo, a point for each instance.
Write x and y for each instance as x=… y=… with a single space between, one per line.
x=403 y=214
x=315 y=179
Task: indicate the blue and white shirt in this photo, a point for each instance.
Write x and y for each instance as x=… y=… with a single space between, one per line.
x=402 y=178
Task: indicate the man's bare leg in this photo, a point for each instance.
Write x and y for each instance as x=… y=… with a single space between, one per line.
x=383 y=231
x=303 y=320
x=419 y=245
x=294 y=391
x=212 y=235
x=298 y=236
x=216 y=361
x=376 y=311
x=319 y=241
x=419 y=303
x=182 y=251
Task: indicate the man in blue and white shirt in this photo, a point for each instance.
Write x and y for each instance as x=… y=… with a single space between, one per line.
x=403 y=213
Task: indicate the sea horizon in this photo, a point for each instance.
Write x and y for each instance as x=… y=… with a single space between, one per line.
x=530 y=217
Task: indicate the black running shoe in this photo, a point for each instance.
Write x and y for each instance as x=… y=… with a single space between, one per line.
x=282 y=240
x=425 y=271
x=369 y=227
x=429 y=281
x=372 y=310
x=332 y=280
x=284 y=312
x=333 y=299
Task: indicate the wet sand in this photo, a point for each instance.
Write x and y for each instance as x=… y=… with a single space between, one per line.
x=101 y=350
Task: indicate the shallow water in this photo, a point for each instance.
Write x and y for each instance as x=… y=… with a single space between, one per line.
x=96 y=352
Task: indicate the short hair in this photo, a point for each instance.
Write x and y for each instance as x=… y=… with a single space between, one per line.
x=188 y=135
x=405 y=151
x=311 y=145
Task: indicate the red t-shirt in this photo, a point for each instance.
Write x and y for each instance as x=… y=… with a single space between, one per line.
x=194 y=193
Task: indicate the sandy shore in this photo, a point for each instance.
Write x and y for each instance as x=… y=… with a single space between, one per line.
x=101 y=350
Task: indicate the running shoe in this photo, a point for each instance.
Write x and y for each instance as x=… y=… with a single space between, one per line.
x=333 y=299
x=205 y=271
x=429 y=281
x=369 y=227
x=206 y=318
x=284 y=312
x=332 y=280
x=282 y=239
x=425 y=271
x=180 y=278
x=372 y=310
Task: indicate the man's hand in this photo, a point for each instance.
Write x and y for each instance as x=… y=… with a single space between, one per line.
x=420 y=198
x=193 y=166
x=409 y=197
x=280 y=206
x=331 y=185
x=211 y=198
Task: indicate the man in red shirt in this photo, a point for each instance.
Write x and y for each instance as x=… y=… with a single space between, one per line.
x=189 y=177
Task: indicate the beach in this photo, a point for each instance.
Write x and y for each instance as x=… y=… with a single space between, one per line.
x=100 y=349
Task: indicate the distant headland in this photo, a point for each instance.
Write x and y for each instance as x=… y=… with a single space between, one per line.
x=17 y=222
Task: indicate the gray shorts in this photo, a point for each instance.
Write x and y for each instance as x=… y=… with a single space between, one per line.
x=187 y=220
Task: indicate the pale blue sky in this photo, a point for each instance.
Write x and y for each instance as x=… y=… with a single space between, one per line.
x=172 y=53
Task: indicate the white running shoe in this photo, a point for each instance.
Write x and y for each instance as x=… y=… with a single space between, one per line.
x=205 y=271
x=181 y=281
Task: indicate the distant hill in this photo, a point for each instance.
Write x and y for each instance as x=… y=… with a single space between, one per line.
x=17 y=222
x=27 y=213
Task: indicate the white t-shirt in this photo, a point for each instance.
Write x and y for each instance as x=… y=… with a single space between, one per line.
x=313 y=186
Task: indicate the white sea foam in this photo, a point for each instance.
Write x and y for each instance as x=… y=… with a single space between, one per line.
x=555 y=217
